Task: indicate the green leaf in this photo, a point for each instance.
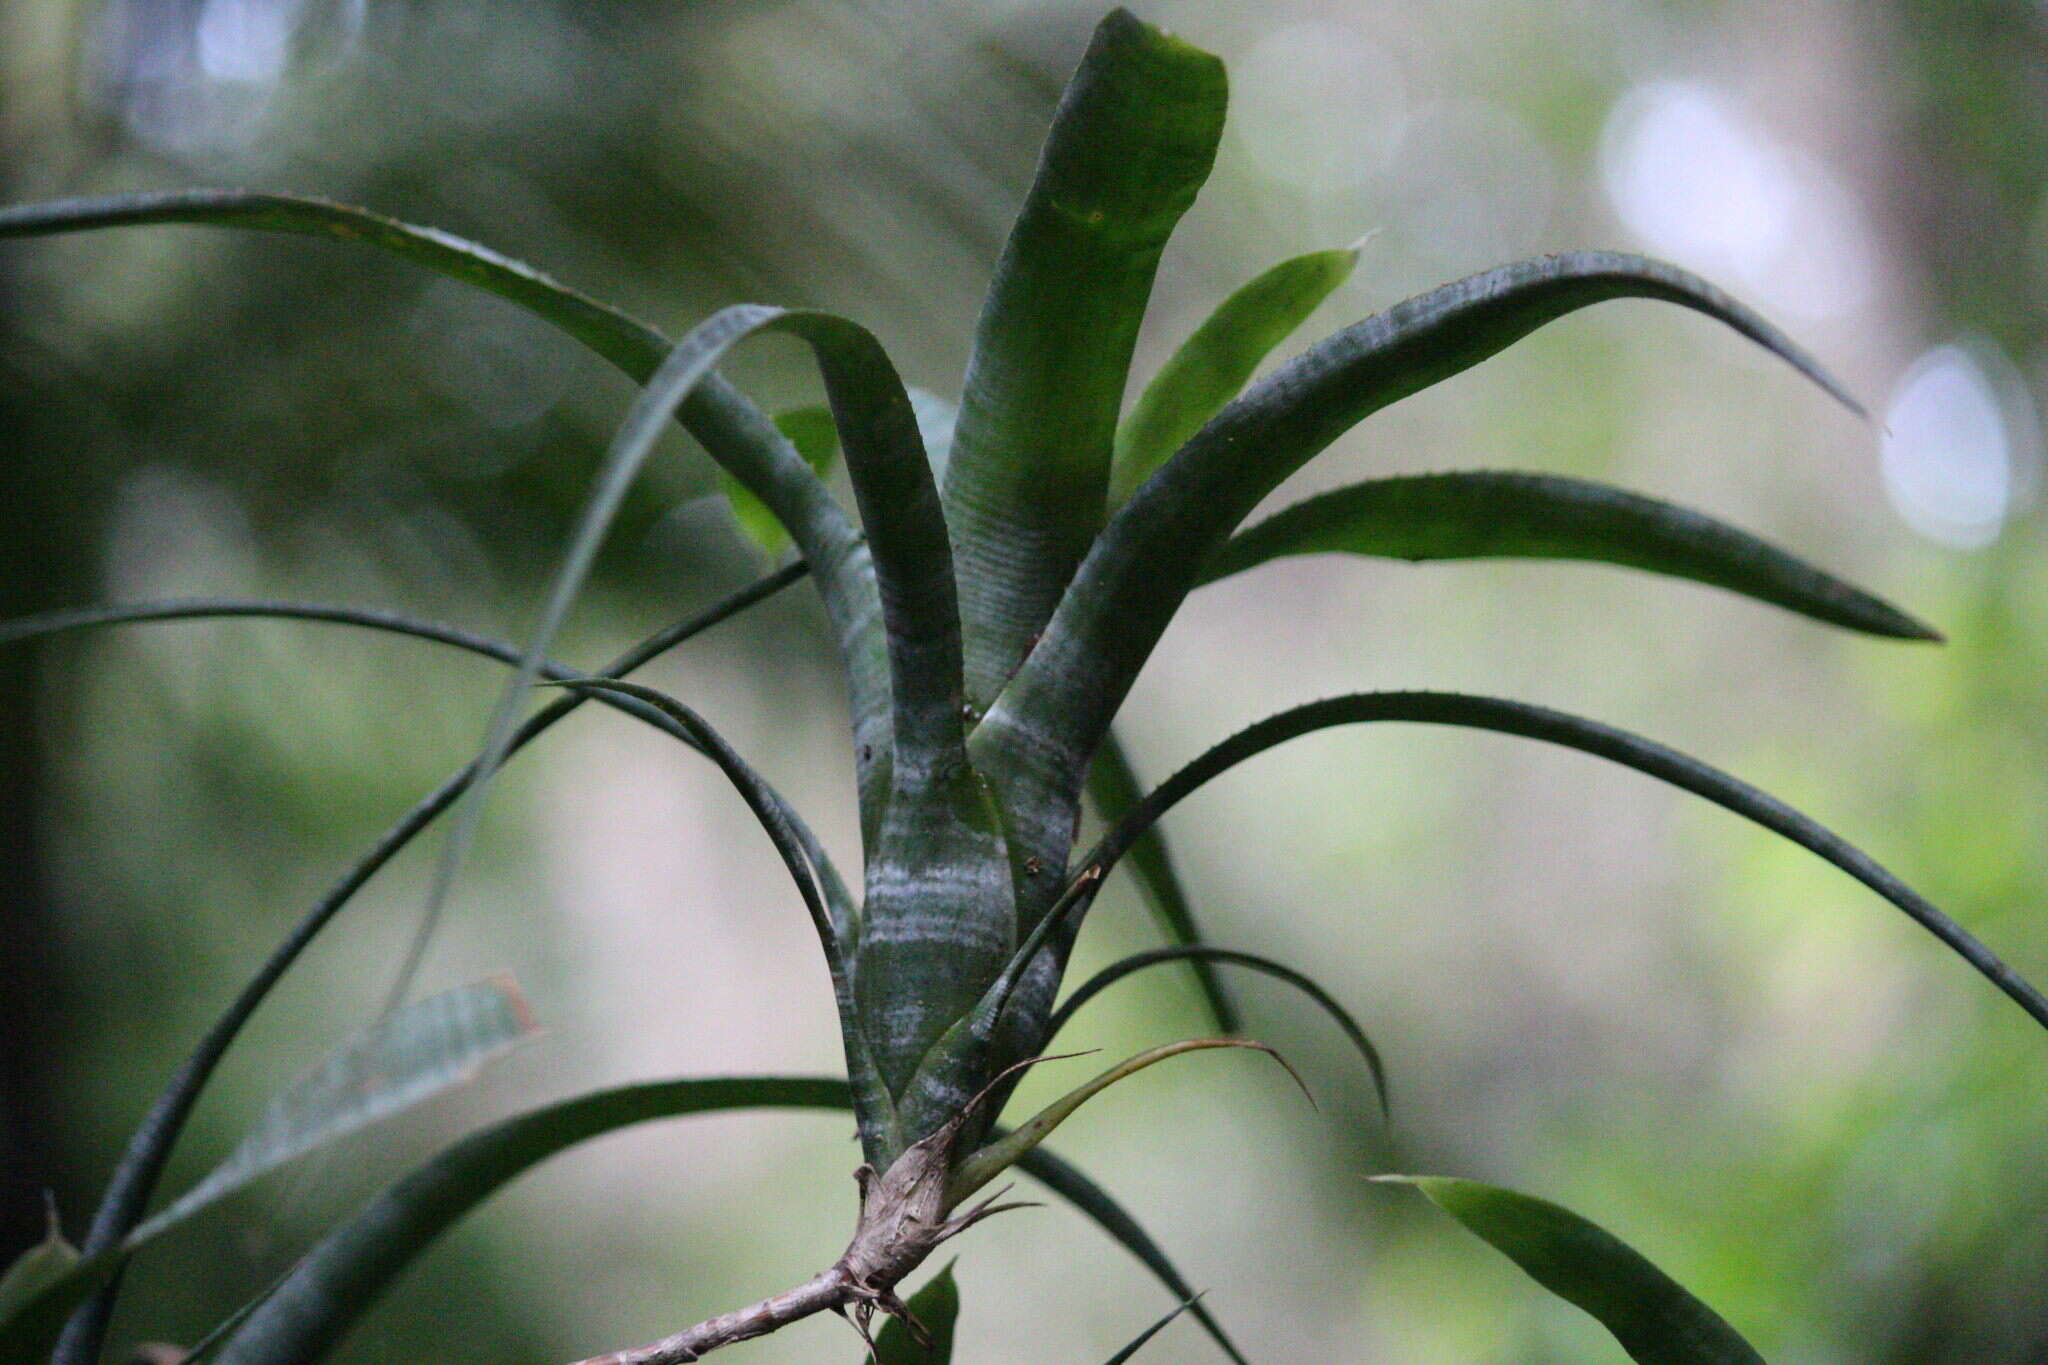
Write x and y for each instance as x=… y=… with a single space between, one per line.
x=149 y=1147
x=36 y=1269
x=1113 y=786
x=425 y=1048
x=354 y=1263
x=873 y=1103
x=1214 y=363
x=1204 y=953
x=738 y=435
x=345 y=1273
x=936 y=1307
x=1587 y=736
x=1091 y=1199
x=1054 y=712
x=1653 y=1317
x=812 y=432
x=1487 y=515
x=1131 y=144
x=1138 y=1343
x=985 y=1164
x=415 y=1053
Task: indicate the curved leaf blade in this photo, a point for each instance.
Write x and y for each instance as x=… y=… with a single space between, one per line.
x=1138 y=1343
x=1113 y=786
x=149 y=1147
x=1204 y=953
x=1132 y=142
x=1067 y=1181
x=309 y=1311
x=873 y=1104
x=936 y=1307
x=416 y=1053
x=738 y=435
x=1653 y=1316
x=1212 y=365
x=1587 y=736
x=1490 y=515
x=985 y=1164
x=1056 y=709
x=351 y=1267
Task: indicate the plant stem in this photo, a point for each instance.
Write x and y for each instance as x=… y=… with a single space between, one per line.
x=833 y=1289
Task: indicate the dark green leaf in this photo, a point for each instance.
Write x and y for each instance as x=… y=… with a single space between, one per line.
x=1054 y=712
x=1154 y=1330
x=873 y=1104
x=1604 y=741
x=936 y=1308
x=1653 y=1317
x=1485 y=514
x=1129 y=148
x=815 y=437
x=346 y=1272
x=349 y=1268
x=415 y=1053
x=1214 y=363
x=1070 y=1184
x=1202 y=952
x=1113 y=786
x=735 y=432
x=142 y=1161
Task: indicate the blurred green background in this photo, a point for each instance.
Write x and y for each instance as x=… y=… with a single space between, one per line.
x=1586 y=986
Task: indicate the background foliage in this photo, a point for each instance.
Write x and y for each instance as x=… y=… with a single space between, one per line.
x=1586 y=987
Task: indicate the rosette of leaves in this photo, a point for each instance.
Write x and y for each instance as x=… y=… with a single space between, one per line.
x=1008 y=566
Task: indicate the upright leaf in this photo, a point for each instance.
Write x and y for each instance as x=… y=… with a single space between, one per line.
x=1216 y=360
x=1491 y=515
x=936 y=1307
x=1056 y=709
x=1131 y=144
x=1653 y=1316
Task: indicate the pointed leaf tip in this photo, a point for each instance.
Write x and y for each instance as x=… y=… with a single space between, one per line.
x=1653 y=1317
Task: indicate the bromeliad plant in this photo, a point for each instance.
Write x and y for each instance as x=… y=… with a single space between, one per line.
x=1012 y=565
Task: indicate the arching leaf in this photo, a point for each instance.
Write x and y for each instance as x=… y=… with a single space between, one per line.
x=414 y=1054
x=1129 y=148
x=1653 y=1316
x=738 y=435
x=1202 y=952
x=1216 y=360
x=149 y=1147
x=308 y=1312
x=1114 y=788
x=1490 y=515
x=1055 y=710
x=1587 y=736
